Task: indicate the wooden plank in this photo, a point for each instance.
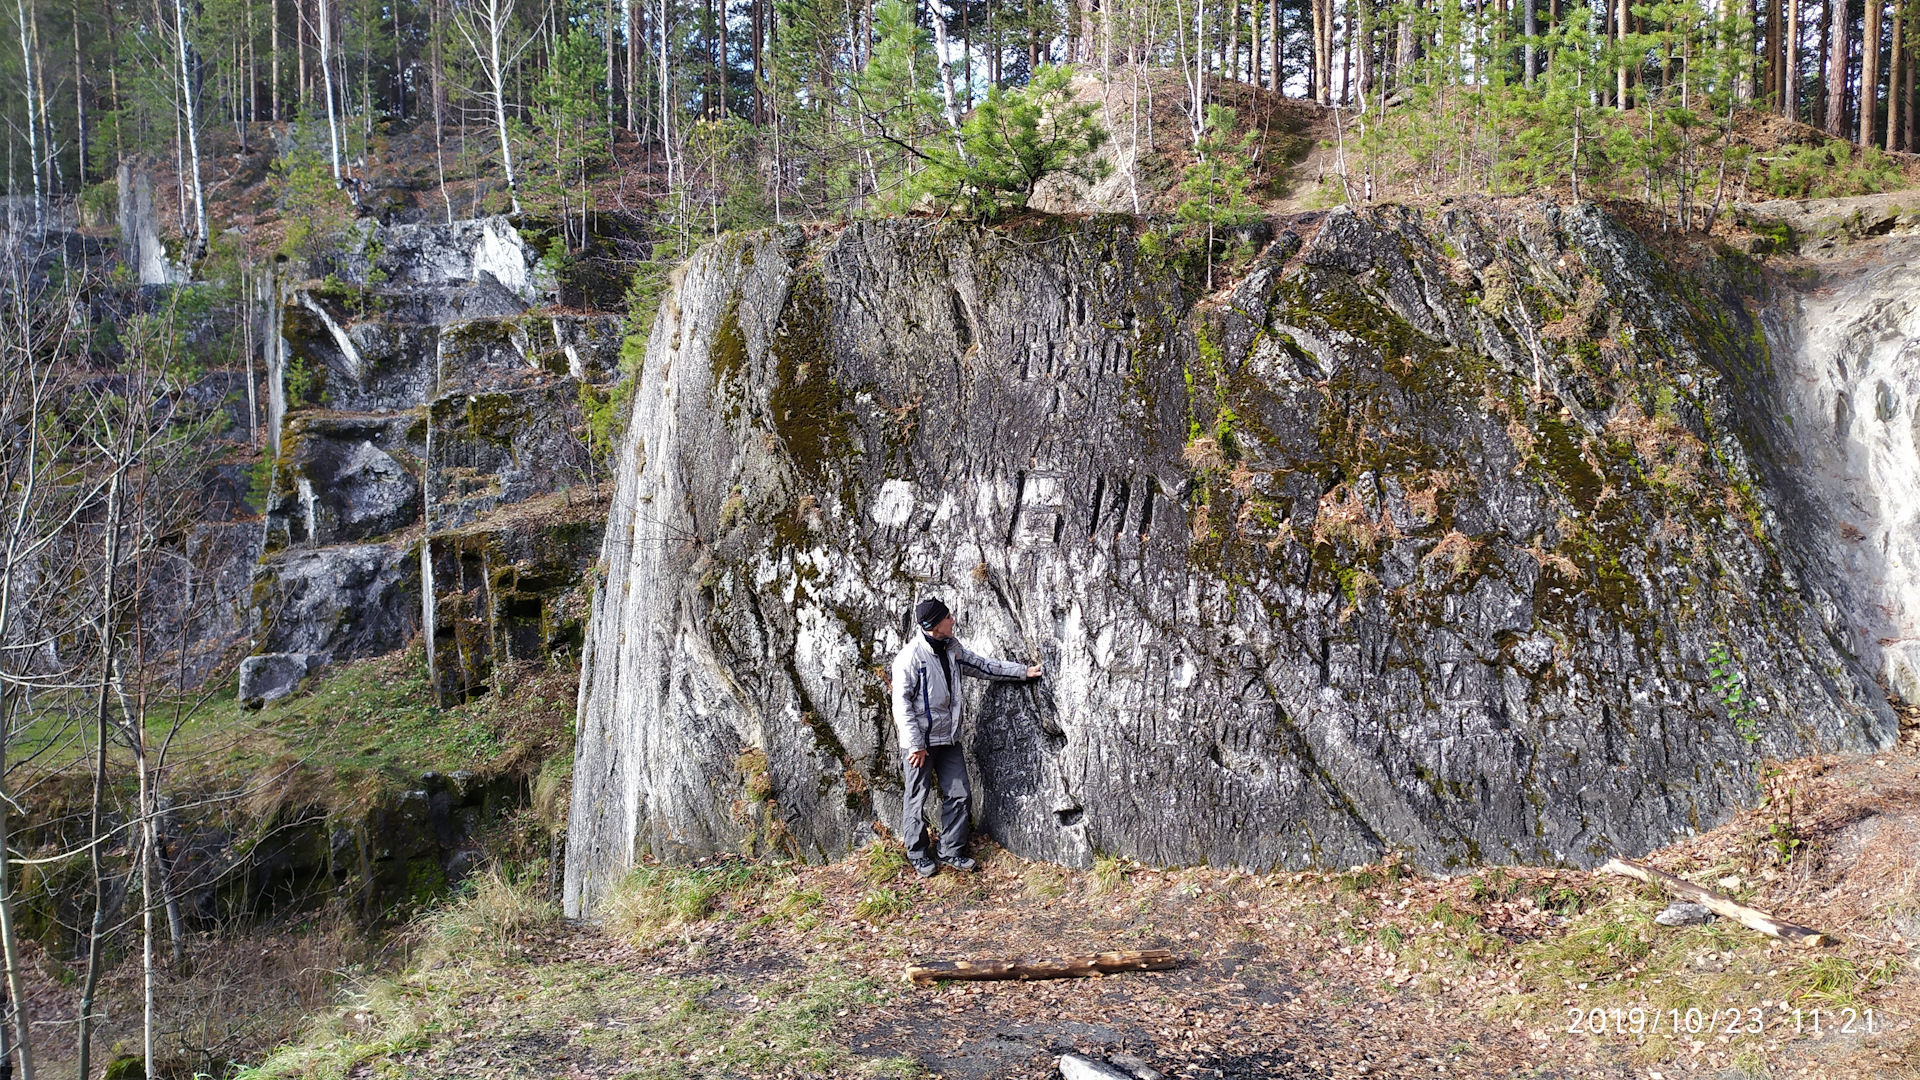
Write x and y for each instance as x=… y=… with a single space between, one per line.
x=1752 y=918
x=1064 y=967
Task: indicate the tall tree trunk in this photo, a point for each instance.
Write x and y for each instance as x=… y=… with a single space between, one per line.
x=435 y=24
x=1532 y=61
x=366 y=81
x=1229 y=38
x=1346 y=50
x=665 y=90
x=1275 y=43
x=1896 y=77
x=137 y=732
x=301 y=88
x=325 y=20
x=1622 y=22
x=1836 y=55
x=1870 y=71
x=1913 y=102
x=1256 y=48
x=1362 y=30
x=399 y=66
x=948 y=100
x=79 y=101
x=484 y=26
x=1033 y=39
x=1790 y=80
x=1322 y=49
x=995 y=45
x=28 y=59
x=500 y=105
x=191 y=119
x=9 y=934
x=39 y=90
x=253 y=76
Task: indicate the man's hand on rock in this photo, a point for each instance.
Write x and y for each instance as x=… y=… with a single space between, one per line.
x=1034 y=672
x=917 y=759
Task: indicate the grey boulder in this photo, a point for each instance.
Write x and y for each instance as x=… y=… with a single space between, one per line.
x=272 y=676
x=340 y=603
x=340 y=480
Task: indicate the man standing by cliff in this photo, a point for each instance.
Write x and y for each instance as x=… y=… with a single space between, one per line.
x=926 y=712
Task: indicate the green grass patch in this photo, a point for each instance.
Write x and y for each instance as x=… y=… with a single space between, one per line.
x=635 y=1025
x=654 y=899
x=882 y=904
x=883 y=861
x=1614 y=958
x=355 y=732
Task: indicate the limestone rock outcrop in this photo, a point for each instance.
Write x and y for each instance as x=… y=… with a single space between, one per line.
x=1429 y=537
x=1844 y=414
x=423 y=395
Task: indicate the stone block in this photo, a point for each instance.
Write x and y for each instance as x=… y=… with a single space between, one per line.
x=272 y=676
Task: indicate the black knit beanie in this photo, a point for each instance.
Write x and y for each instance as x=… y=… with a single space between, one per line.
x=929 y=612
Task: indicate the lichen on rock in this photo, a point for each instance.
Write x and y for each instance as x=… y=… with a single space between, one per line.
x=1417 y=540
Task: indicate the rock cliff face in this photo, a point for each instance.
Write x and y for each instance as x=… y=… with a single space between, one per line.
x=422 y=395
x=1426 y=538
x=1843 y=415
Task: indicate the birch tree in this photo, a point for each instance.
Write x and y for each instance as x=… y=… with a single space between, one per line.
x=325 y=18
x=488 y=28
x=27 y=58
x=192 y=122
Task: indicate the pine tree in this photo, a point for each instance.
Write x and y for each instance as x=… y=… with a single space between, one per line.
x=1016 y=139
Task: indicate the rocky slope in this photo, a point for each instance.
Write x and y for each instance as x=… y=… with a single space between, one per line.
x=422 y=395
x=1461 y=535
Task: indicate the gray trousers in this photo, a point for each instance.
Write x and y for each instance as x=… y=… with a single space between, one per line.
x=949 y=766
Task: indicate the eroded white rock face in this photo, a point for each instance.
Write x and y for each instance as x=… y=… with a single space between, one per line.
x=501 y=254
x=476 y=250
x=1850 y=378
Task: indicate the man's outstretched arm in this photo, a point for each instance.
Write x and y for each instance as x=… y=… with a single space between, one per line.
x=981 y=667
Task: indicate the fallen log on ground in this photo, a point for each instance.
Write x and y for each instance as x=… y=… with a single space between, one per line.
x=1752 y=918
x=1065 y=967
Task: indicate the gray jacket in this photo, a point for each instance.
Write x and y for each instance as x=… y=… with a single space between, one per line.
x=926 y=703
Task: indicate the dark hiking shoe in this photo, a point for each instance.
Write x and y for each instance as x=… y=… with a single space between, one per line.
x=962 y=864
x=926 y=869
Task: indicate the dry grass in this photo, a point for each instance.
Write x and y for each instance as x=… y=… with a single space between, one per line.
x=1202 y=522
x=1670 y=455
x=1424 y=500
x=1342 y=517
x=654 y=899
x=1566 y=568
x=1577 y=322
x=1455 y=551
x=492 y=911
x=884 y=860
x=1203 y=454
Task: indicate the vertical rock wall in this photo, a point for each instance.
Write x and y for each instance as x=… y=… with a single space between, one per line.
x=424 y=396
x=1420 y=540
x=1848 y=354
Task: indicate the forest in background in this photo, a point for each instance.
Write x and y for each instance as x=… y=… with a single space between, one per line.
x=731 y=113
